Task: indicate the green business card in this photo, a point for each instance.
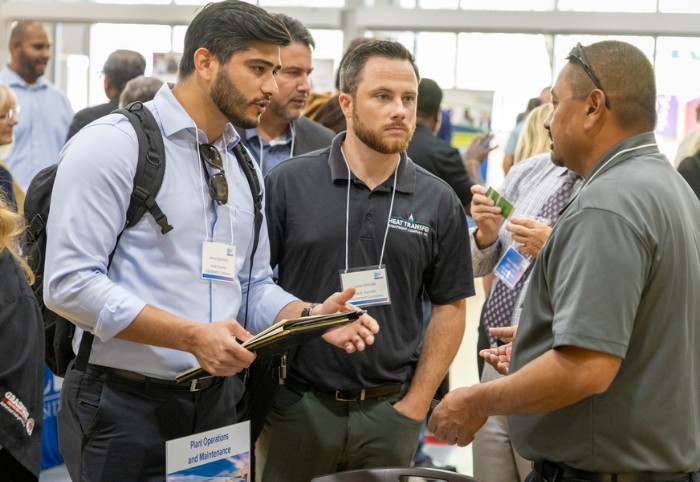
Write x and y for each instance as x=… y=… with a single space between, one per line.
x=501 y=202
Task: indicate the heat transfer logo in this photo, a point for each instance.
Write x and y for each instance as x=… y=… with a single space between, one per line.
x=410 y=225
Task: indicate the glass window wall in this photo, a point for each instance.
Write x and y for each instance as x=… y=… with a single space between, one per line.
x=608 y=5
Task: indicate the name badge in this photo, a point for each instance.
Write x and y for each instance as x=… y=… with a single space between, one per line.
x=371 y=286
x=218 y=262
x=511 y=267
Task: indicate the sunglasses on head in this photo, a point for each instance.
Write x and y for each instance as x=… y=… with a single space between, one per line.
x=218 y=185
x=578 y=55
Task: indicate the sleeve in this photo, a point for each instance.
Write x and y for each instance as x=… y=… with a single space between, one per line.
x=76 y=124
x=485 y=260
x=276 y=214
x=7 y=190
x=450 y=276
x=593 y=309
x=452 y=170
x=512 y=140
x=88 y=211
x=21 y=375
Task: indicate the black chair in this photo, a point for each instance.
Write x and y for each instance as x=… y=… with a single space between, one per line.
x=395 y=474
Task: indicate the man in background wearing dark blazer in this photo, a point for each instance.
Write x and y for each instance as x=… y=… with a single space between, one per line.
x=436 y=155
x=121 y=66
x=283 y=132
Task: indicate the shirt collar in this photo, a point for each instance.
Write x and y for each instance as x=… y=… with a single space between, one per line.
x=175 y=119
x=252 y=133
x=13 y=79
x=406 y=174
x=633 y=142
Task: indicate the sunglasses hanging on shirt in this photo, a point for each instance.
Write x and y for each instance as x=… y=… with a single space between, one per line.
x=217 y=183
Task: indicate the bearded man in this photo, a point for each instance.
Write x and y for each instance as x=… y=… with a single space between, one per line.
x=360 y=213
x=156 y=304
x=45 y=114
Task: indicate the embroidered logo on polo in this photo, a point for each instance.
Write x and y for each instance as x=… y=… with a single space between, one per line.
x=14 y=405
x=410 y=225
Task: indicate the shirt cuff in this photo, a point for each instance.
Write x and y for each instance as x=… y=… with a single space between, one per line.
x=115 y=316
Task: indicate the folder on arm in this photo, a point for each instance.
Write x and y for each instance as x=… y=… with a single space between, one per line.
x=284 y=335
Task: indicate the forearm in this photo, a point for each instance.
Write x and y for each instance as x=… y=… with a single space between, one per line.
x=291 y=310
x=442 y=340
x=157 y=327
x=557 y=379
x=473 y=168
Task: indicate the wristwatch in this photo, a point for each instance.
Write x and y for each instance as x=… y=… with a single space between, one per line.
x=307 y=310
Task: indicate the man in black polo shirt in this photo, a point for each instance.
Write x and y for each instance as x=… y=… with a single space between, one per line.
x=392 y=231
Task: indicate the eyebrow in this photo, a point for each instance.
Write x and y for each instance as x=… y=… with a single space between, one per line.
x=382 y=88
x=266 y=63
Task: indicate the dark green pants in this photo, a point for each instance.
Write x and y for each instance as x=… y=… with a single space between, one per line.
x=309 y=434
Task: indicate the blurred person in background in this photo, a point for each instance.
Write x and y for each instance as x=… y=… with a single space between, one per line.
x=46 y=113
x=9 y=187
x=689 y=168
x=323 y=107
x=688 y=146
x=533 y=139
x=120 y=67
x=22 y=361
x=509 y=150
x=141 y=89
x=283 y=131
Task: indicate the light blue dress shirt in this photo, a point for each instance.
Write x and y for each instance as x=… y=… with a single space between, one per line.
x=270 y=153
x=88 y=210
x=42 y=125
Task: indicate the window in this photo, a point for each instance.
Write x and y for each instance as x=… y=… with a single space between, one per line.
x=679 y=6
x=512 y=5
x=435 y=56
x=608 y=5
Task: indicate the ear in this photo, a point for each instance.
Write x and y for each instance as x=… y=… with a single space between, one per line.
x=345 y=101
x=205 y=64
x=595 y=108
x=15 y=45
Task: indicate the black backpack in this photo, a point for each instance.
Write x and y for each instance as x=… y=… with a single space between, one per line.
x=58 y=331
x=150 y=170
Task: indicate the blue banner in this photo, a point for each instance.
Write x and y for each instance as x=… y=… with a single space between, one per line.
x=50 y=454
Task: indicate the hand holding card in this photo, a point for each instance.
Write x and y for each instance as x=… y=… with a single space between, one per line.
x=501 y=202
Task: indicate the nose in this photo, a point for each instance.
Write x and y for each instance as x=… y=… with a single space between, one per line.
x=304 y=83
x=399 y=109
x=548 y=121
x=269 y=87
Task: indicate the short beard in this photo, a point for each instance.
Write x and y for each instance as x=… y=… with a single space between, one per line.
x=374 y=140
x=554 y=157
x=280 y=111
x=231 y=102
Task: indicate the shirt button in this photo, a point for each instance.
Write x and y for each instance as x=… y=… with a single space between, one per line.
x=369 y=216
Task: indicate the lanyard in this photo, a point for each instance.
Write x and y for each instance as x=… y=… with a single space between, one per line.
x=347 y=214
x=262 y=150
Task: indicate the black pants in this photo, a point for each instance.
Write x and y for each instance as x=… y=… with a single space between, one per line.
x=115 y=430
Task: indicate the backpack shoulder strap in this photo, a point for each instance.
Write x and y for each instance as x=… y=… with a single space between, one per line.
x=150 y=169
x=150 y=172
x=248 y=167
